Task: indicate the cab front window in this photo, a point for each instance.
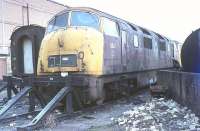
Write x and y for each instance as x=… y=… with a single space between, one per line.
x=84 y=19
x=59 y=22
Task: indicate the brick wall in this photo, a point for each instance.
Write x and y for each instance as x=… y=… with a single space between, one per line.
x=13 y=13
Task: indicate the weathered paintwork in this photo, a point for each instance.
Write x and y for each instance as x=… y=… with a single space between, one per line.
x=103 y=54
x=74 y=40
x=110 y=64
x=108 y=60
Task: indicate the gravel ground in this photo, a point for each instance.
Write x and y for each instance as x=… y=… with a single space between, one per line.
x=140 y=112
x=158 y=115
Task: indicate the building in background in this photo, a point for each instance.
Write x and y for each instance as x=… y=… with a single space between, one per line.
x=15 y=13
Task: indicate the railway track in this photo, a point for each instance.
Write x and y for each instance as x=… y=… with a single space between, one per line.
x=58 y=116
x=15 y=117
x=110 y=116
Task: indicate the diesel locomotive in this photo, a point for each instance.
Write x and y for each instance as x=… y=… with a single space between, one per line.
x=100 y=56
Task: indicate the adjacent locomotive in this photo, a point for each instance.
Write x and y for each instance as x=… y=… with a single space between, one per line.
x=190 y=52
x=100 y=56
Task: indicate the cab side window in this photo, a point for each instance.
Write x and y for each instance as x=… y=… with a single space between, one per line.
x=135 y=41
x=110 y=27
x=50 y=26
x=147 y=43
x=146 y=39
x=59 y=22
x=162 y=45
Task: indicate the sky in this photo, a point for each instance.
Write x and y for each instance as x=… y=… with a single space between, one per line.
x=175 y=19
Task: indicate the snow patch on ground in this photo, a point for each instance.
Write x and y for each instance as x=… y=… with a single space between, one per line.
x=158 y=115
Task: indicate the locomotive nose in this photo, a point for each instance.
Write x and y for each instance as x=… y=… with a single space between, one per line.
x=63 y=51
x=72 y=50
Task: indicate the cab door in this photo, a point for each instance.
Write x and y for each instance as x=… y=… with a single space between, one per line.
x=124 y=49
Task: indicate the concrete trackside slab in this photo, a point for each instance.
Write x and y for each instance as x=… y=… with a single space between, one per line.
x=183 y=87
